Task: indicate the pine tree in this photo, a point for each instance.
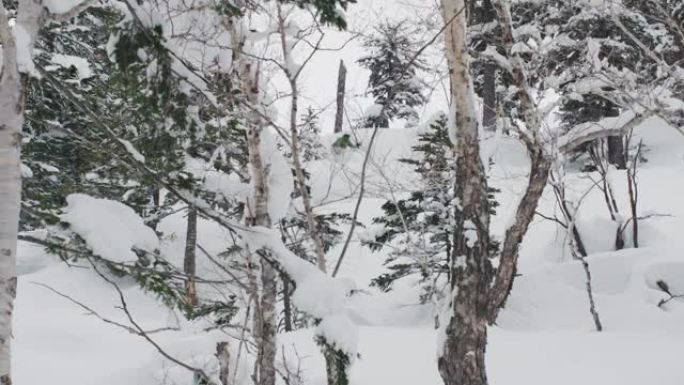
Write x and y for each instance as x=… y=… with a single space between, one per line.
x=394 y=81
x=420 y=228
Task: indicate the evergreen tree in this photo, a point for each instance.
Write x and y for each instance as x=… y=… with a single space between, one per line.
x=597 y=67
x=394 y=81
x=132 y=88
x=420 y=228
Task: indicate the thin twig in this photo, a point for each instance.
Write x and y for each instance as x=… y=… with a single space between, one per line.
x=358 y=203
x=141 y=332
x=98 y=315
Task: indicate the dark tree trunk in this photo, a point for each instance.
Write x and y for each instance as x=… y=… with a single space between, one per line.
x=380 y=121
x=287 y=303
x=463 y=359
x=489 y=97
x=336 y=364
x=223 y=357
x=189 y=260
x=489 y=105
x=341 y=84
x=616 y=152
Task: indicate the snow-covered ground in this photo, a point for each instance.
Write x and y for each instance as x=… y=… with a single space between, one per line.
x=544 y=336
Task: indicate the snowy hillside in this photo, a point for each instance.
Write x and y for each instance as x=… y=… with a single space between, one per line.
x=544 y=335
x=342 y=192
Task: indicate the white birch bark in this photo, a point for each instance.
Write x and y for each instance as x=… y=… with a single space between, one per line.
x=247 y=72
x=17 y=58
x=11 y=120
x=292 y=75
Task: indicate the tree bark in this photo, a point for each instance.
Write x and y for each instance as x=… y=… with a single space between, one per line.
x=341 y=85
x=11 y=121
x=540 y=166
x=287 y=303
x=489 y=107
x=247 y=73
x=301 y=179
x=462 y=361
x=223 y=357
x=616 y=152
x=189 y=260
x=30 y=16
x=265 y=318
x=479 y=291
x=489 y=102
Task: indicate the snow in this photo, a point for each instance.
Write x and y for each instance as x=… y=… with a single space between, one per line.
x=280 y=179
x=61 y=6
x=82 y=66
x=544 y=336
x=130 y=148
x=374 y=110
x=111 y=229
x=24 y=44
x=342 y=331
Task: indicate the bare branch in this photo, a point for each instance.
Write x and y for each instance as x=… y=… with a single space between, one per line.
x=96 y=314
x=358 y=203
x=141 y=332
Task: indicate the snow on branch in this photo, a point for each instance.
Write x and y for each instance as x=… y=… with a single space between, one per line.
x=610 y=126
x=111 y=229
x=317 y=294
x=63 y=10
x=491 y=54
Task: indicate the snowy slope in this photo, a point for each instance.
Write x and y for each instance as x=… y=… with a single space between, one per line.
x=544 y=336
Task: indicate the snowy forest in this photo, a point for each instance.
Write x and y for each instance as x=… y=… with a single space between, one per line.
x=341 y=192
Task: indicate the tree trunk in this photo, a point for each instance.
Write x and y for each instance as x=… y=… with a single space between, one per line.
x=10 y=199
x=264 y=321
x=341 y=84
x=287 y=303
x=616 y=152
x=336 y=360
x=223 y=357
x=489 y=107
x=301 y=178
x=489 y=102
x=265 y=318
x=11 y=121
x=462 y=361
x=189 y=260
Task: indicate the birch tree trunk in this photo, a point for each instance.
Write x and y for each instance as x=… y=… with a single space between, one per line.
x=247 y=72
x=30 y=17
x=462 y=361
x=478 y=290
x=292 y=77
x=11 y=121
